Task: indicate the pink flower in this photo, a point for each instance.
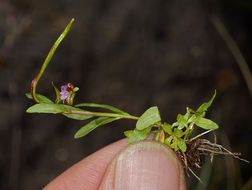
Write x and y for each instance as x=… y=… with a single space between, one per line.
x=65 y=94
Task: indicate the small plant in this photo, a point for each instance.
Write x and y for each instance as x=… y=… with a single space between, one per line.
x=176 y=135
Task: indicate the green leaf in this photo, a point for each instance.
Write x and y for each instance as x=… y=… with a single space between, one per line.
x=178 y=132
x=57 y=92
x=76 y=89
x=175 y=124
x=168 y=141
x=46 y=108
x=174 y=145
x=103 y=106
x=192 y=119
x=149 y=117
x=40 y=97
x=137 y=135
x=93 y=125
x=77 y=116
x=167 y=128
x=182 y=122
x=206 y=124
x=52 y=108
x=181 y=144
x=187 y=115
x=206 y=105
x=189 y=110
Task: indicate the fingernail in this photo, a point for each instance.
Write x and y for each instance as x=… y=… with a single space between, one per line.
x=146 y=165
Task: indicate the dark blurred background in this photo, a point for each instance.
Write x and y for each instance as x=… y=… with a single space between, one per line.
x=131 y=54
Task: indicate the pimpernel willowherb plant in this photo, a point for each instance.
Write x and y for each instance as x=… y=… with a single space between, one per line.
x=175 y=135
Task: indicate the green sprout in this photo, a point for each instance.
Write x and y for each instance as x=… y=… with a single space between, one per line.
x=175 y=135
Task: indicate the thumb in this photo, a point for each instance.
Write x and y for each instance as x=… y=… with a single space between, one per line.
x=145 y=165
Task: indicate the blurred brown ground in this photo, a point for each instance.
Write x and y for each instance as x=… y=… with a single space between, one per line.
x=132 y=54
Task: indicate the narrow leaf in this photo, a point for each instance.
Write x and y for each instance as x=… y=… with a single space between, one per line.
x=149 y=117
x=93 y=125
x=40 y=97
x=57 y=92
x=206 y=105
x=103 y=106
x=45 y=108
x=52 y=108
x=77 y=116
x=206 y=124
x=137 y=135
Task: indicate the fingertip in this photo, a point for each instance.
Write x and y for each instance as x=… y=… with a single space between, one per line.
x=145 y=165
x=88 y=173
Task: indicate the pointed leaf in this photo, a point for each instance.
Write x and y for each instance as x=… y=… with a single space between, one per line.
x=52 y=108
x=149 y=117
x=206 y=105
x=206 y=124
x=45 y=108
x=40 y=97
x=137 y=135
x=57 y=92
x=77 y=116
x=103 y=106
x=93 y=125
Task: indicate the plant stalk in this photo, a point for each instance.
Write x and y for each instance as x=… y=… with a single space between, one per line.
x=47 y=60
x=100 y=114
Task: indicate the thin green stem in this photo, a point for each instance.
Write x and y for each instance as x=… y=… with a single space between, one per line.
x=47 y=60
x=187 y=131
x=100 y=114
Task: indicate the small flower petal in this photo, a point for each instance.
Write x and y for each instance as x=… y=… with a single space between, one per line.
x=67 y=92
x=63 y=88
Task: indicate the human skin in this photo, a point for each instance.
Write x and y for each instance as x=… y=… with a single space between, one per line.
x=146 y=165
